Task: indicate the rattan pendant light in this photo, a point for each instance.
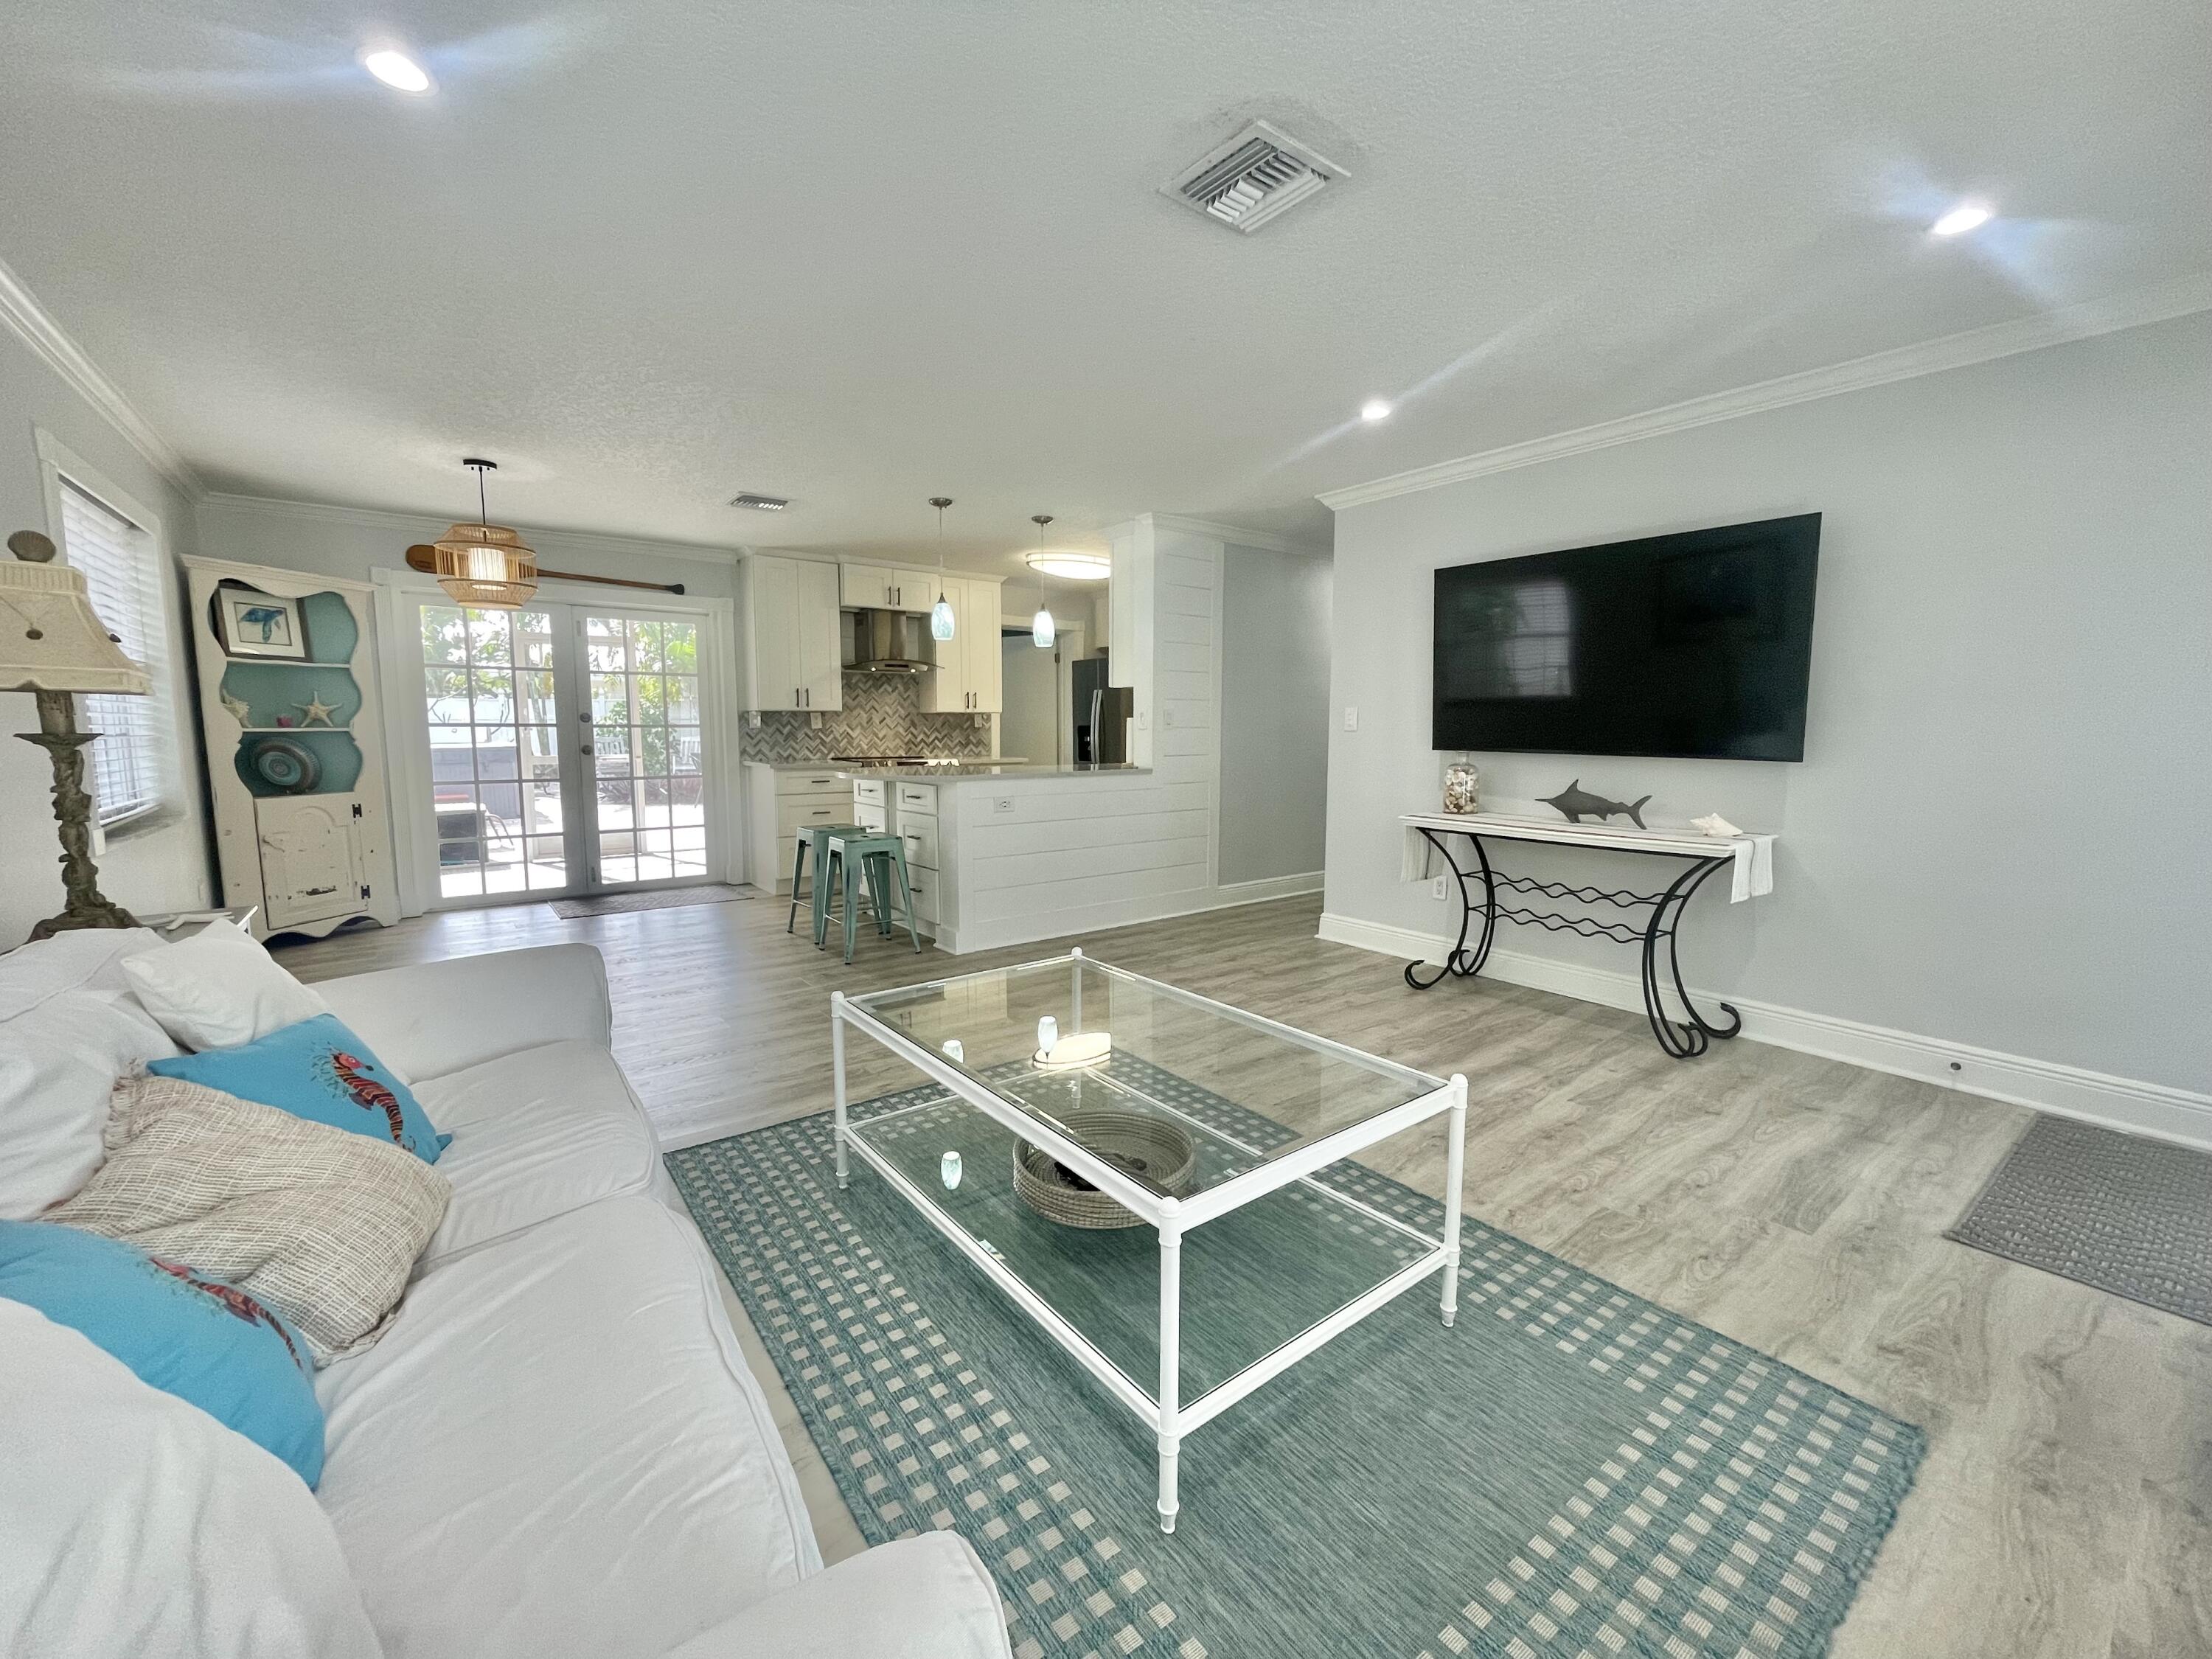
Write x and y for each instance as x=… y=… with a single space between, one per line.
x=485 y=564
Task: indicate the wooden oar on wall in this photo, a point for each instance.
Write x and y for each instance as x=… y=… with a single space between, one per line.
x=423 y=557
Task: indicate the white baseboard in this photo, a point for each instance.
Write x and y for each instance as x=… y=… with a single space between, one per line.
x=2118 y=1103
x=1122 y=913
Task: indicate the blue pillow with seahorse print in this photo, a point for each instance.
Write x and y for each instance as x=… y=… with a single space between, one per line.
x=183 y=1333
x=319 y=1071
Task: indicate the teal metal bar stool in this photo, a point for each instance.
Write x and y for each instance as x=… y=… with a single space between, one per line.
x=809 y=836
x=845 y=861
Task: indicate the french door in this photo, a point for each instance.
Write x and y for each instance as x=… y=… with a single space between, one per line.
x=565 y=752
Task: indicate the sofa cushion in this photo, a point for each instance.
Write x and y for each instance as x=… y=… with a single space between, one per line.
x=218 y=989
x=181 y=1331
x=535 y=1134
x=133 y=1523
x=320 y=1225
x=556 y=1449
x=60 y=1055
x=318 y=1070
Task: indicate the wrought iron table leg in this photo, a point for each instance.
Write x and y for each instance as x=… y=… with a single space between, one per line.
x=1682 y=1040
x=1461 y=962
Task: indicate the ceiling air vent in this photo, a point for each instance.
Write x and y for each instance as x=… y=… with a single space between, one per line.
x=761 y=504
x=1252 y=178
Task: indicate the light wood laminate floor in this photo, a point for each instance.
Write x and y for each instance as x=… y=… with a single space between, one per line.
x=1792 y=1203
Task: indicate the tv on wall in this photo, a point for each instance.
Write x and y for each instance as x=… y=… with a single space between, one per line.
x=1692 y=645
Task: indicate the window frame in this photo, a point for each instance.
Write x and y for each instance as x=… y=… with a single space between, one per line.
x=60 y=468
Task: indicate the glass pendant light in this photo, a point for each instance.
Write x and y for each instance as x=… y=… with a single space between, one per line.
x=1042 y=630
x=484 y=564
x=940 y=614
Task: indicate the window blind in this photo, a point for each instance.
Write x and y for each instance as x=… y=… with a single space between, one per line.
x=116 y=558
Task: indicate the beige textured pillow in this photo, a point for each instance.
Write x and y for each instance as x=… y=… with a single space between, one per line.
x=320 y=1224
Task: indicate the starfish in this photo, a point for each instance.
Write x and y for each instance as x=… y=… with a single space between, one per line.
x=238 y=709
x=315 y=711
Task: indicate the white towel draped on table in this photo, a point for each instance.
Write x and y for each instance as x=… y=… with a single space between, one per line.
x=1752 y=856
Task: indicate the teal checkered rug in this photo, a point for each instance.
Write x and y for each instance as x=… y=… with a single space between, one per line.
x=1570 y=1472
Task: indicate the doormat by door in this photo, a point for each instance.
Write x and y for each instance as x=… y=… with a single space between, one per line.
x=663 y=898
x=2126 y=1215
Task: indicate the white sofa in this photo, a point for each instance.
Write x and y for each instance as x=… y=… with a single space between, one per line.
x=555 y=1448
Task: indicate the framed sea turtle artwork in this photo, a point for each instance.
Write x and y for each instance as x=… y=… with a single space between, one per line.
x=251 y=623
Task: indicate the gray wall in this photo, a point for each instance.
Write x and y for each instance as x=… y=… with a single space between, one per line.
x=1999 y=833
x=161 y=865
x=1274 y=713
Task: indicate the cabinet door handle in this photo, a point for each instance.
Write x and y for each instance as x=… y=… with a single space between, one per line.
x=317 y=892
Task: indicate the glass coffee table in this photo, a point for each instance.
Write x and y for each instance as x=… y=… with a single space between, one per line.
x=1144 y=1172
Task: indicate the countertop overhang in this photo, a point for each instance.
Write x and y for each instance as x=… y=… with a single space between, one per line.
x=968 y=771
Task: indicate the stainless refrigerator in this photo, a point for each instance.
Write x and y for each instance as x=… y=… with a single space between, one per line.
x=1102 y=715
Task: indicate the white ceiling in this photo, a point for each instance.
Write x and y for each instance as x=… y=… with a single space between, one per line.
x=647 y=255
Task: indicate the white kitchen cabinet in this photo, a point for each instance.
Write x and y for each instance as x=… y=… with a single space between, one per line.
x=967 y=680
x=790 y=630
x=882 y=587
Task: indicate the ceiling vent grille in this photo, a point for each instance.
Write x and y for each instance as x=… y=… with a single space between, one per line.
x=761 y=504
x=1252 y=178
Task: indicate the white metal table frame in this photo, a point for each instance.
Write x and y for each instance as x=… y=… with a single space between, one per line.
x=1170 y=1419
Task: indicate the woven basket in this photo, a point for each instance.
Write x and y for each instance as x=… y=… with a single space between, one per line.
x=1160 y=1151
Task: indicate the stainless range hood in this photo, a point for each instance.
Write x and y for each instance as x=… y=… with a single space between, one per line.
x=888 y=642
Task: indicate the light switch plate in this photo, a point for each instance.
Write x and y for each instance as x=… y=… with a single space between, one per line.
x=1437 y=887
x=1350 y=719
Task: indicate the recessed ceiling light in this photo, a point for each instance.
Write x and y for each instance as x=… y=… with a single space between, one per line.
x=1073 y=566
x=1967 y=216
x=1374 y=409
x=397 y=71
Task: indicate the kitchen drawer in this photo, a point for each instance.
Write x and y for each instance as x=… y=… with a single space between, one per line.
x=873 y=791
x=916 y=798
x=924 y=885
x=869 y=817
x=920 y=835
x=825 y=781
x=794 y=815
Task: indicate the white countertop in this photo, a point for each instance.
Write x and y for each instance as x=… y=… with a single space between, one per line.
x=847 y=766
x=967 y=771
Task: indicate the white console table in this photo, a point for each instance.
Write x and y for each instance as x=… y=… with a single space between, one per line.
x=1749 y=858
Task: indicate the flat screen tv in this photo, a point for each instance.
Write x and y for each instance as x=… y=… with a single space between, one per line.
x=1696 y=645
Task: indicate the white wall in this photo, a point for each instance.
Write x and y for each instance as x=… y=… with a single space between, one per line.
x=1998 y=836
x=1274 y=712
x=160 y=866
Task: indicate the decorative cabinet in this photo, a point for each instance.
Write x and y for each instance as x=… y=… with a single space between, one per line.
x=967 y=679
x=793 y=660
x=287 y=680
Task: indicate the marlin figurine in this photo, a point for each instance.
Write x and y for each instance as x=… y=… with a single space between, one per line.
x=1577 y=803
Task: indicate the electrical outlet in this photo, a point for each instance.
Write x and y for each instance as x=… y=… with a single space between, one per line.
x=1351 y=720
x=1003 y=804
x=1167 y=716
x=1437 y=887
x=814 y=720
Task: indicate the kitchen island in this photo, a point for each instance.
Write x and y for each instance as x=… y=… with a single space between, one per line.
x=1002 y=854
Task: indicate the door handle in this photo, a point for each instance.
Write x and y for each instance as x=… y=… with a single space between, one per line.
x=584 y=749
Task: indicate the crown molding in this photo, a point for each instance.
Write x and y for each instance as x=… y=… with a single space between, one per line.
x=2178 y=298
x=401 y=523
x=33 y=324
x=1230 y=532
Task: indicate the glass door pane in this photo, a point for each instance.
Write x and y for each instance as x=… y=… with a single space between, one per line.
x=494 y=724
x=649 y=820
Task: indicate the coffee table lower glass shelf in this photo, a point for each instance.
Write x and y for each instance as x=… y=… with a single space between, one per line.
x=1254 y=1261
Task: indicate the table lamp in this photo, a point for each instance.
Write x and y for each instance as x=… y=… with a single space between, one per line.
x=52 y=644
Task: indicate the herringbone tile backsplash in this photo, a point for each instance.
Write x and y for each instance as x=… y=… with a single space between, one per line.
x=882 y=716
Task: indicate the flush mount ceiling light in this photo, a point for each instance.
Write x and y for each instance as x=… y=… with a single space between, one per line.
x=1967 y=216
x=397 y=71
x=1042 y=630
x=1070 y=565
x=941 y=622
x=484 y=564
x=759 y=503
x=1375 y=410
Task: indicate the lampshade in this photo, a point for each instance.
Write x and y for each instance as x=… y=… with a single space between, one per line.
x=51 y=639
x=485 y=565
